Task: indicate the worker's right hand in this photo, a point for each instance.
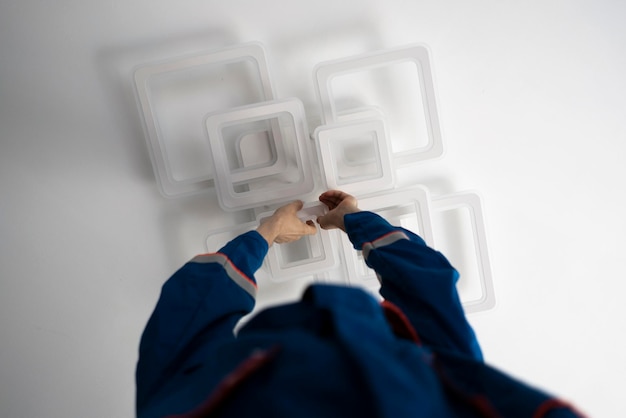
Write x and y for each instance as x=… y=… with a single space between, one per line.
x=339 y=204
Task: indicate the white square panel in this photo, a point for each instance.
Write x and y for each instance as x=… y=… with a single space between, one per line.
x=459 y=232
x=244 y=187
x=175 y=95
x=255 y=149
x=354 y=156
x=400 y=83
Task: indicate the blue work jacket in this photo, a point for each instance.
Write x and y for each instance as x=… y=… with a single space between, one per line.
x=336 y=353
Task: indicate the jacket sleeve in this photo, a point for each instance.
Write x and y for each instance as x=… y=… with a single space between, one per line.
x=417 y=279
x=201 y=302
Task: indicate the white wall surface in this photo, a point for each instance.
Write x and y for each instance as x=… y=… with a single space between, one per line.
x=532 y=97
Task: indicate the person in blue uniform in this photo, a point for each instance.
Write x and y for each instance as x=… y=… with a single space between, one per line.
x=337 y=352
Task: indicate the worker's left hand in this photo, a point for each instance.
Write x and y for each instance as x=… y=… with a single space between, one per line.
x=285 y=226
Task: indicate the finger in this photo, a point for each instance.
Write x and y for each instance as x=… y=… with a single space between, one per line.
x=329 y=204
x=291 y=207
x=323 y=222
x=330 y=201
x=333 y=198
x=336 y=195
x=330 y=195
x=296 y=205
x=310 y=228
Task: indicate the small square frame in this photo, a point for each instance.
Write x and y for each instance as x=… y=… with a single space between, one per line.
x=418 y=54
x=327 y=137
x=168 y=184
x=225 y=181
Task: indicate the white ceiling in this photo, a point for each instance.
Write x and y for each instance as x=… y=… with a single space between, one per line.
x=532 y=100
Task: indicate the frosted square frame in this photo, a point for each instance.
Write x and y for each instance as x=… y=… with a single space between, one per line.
x=247 y=159
x=472 y=202
x=225 y=180
x=250 y=169
x=168 y=185
x=327 y=135
x=326 y=71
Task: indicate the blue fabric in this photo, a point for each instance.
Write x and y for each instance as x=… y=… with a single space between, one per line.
x=199 y=305
x=337 y=355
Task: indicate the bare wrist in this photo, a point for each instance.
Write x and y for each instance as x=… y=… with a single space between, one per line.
x=347 y=211
x=269 y=231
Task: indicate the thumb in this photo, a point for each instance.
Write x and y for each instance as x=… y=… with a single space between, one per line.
x=310 y=228
x=323 y=222
x=296 y=205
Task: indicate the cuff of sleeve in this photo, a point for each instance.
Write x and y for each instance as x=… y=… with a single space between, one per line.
x=363 y=227
x=247 y=252
x=240 y=259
